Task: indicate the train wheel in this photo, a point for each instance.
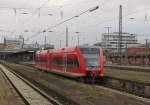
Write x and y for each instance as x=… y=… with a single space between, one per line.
x=93 y=79
x=81 y=79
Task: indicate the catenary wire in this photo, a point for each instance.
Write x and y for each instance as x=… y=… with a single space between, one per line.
x=23 y=23
x=57 y=24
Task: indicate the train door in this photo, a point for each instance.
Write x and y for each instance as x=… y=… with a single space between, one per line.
x=49 y=60
x=72 y=63
x=65 y=61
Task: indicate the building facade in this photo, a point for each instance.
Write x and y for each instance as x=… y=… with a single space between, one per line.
x=38 y=46
x=2 y=46
x=11 y=43
x=110 y=42
x=18 y=43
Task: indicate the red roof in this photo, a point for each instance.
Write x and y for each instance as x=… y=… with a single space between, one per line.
x=138 y=51
x=2 y=46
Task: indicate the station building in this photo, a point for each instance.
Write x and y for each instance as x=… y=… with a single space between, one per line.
x=16 y=50
x=110 y=42
x=132 y=51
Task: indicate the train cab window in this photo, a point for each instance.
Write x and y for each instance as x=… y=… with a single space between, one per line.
x=91 y=57
x=73 y=62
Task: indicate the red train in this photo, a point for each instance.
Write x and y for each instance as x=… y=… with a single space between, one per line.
x=73 y=62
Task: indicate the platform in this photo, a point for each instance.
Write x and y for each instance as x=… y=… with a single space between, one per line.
x=138 y=76
x=31 y=95
x=8 y=96
x=78 y=92
x=130 y=67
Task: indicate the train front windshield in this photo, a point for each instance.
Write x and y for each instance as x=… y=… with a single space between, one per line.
x=91 y=57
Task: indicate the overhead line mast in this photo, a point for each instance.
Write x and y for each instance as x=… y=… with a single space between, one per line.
x=120 y=36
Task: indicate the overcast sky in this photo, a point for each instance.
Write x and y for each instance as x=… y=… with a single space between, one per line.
x=20 y=15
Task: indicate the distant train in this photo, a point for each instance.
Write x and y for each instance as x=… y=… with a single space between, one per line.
x=73 y=62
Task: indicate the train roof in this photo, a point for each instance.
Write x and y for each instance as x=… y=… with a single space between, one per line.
x=65 y=49
x=42 y=51
x=88 y=47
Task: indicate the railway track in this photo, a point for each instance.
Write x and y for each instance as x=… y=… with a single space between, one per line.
x=129 y=87
x=50 y=94
x=29 y=93
x=128 y=68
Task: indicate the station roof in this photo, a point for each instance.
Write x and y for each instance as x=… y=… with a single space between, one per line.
x=9 y=51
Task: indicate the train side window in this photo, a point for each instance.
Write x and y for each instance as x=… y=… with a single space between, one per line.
x=73 y=62
x=57 y=61
x=69 y=62
x=76 y=62
x=42 y=61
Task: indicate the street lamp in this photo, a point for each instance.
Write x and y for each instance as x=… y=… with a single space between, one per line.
x=132 y=18
x=50 y=14
x=108 y=28
x=26 y=31
x=78 y=37
x=107 y=45
x=76 y=16
x=64 y=21
x=89 y=10
x=93 y=9
x=50 y=31
x=44 y=31
x=25 y=13
x=60 y=43
x=146 y=53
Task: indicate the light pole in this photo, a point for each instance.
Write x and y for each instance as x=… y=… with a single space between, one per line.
x=60 y=43
x=76 y=16
x=126 y=45
x=66 y=37
x=45 y=42
x=126 y=54
x=108 y=28
x=44 y=39
x=78 y=37
x=107 y=45
x=146 y=47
